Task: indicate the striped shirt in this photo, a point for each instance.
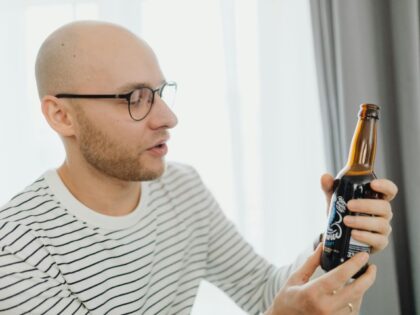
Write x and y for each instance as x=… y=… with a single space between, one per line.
x=59 y=257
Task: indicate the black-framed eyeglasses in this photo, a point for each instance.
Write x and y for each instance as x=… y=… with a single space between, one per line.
x=140 y=100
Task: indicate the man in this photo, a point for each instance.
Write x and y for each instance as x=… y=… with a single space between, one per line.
x=114 y=230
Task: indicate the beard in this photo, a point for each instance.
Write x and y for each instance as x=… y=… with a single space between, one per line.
x=110 y=157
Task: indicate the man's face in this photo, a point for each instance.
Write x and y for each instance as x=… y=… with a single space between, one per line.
x=107 y=137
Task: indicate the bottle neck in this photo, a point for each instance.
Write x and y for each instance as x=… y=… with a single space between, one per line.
x=363 y=147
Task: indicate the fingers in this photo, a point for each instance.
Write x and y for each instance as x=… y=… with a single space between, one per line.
x=358 y=287
x=338 y=277
x=330 y=293
x=367 y=223
x=353 y=293
x=377 y=241
x=372 y=230
x=345 y=310
x=327 y=294
x=304 y=273
x=376 y=207
x=386 y=187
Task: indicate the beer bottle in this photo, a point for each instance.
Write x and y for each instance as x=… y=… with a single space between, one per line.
x=352 y=182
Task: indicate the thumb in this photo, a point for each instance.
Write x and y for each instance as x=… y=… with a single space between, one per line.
x=327 y=185
x=304 y=273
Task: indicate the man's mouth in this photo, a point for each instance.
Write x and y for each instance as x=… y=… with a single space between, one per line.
x=160 y=149
x=160 y=143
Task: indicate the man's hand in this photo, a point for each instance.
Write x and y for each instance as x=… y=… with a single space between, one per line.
x=371 y=230
x=329 y=294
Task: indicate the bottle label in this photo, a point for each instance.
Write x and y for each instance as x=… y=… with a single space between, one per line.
x=338 y=244
x=335 y=230
x=356 y=246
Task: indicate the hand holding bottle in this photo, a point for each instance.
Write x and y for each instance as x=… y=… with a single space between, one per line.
x=330 y=294
x=372 y=230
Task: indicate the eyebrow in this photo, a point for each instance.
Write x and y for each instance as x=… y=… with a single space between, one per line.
x=131 y=86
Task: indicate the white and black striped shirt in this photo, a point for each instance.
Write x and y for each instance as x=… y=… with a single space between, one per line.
x=60 y=257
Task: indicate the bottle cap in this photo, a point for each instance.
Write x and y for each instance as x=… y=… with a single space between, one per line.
x=369 y=111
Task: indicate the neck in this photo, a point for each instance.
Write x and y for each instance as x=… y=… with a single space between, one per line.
x=98 y=191
x=363 y=147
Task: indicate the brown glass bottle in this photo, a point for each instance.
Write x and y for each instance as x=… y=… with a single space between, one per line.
x=352 y=182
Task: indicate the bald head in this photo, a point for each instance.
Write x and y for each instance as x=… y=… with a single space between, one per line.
x=84 y=56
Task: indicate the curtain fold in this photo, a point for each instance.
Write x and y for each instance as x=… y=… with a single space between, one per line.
x=327 y=72
x=357 y=62
x=405 y=22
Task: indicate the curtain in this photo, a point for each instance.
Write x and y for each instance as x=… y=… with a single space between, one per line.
x=368 y=51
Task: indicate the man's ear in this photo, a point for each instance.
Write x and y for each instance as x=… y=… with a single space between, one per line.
x=58 y=115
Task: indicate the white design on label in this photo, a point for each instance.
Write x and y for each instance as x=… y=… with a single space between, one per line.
x=335 y=231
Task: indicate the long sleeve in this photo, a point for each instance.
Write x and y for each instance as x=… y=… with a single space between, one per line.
x=52 y=262
x=234 y=267
x=30 y=282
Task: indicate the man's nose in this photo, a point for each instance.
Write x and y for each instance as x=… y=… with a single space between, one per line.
x=161 y=115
